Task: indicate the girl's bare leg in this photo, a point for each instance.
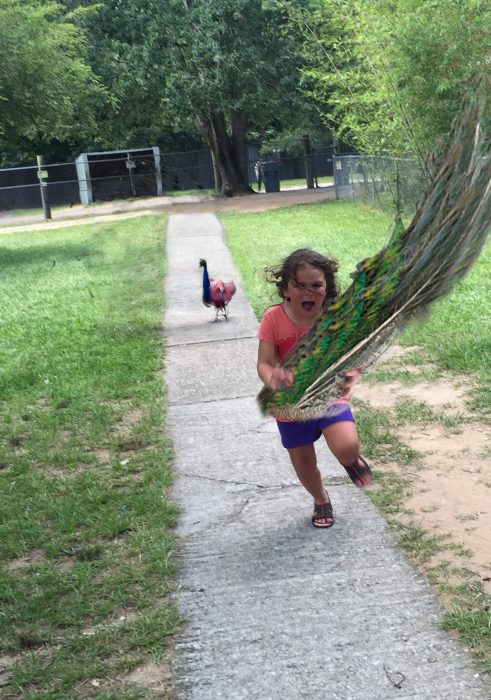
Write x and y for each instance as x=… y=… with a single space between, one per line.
x=304 y=462
x=342 y=439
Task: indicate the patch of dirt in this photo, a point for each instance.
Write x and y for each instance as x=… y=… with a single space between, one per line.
x=128 y=421
x=451 y=491
x=442 y=395
x=103 y=455
x=6 y=662
x=119 y=620
x=35 y=556
x=151 y=676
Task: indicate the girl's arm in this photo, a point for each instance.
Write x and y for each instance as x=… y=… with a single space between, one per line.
x=268 y=370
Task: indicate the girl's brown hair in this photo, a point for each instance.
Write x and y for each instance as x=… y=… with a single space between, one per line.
x=281 y=274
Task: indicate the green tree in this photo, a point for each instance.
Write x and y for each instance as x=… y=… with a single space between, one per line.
x=219 y=67
x=391 y=76
x=47 y=88
x=127 y=50
x=239 y=68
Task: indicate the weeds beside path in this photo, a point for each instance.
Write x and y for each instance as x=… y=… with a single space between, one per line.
x=433 y=480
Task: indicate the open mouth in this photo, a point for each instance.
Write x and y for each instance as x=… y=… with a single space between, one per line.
x=308 y=305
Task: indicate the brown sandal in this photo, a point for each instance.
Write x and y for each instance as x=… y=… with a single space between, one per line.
x=357 y=470
x=323 y=512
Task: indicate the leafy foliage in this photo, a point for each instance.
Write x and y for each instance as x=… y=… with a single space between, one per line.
x=390 y=76
x=207 y=67
x=47 y=88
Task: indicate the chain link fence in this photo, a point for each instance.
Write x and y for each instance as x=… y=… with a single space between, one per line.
x=98 y=183
x=103 y=182
x=118 y=181
x=303 y=163
x=392 y=184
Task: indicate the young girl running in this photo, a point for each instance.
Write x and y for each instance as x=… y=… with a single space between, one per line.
x=306 y=283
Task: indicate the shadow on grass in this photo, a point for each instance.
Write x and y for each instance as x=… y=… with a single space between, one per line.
x=48 y=254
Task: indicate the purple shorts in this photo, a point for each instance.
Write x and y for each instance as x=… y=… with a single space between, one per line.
x=298 y=433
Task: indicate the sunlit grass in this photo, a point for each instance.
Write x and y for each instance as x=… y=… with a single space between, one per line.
x=85 y=464
x=299 y=183
x=261 y=239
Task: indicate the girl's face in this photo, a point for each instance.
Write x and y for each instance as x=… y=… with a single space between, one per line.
x=306 y=292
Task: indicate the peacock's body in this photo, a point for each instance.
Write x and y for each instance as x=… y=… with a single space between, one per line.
x=418 y=265
x=216 y=293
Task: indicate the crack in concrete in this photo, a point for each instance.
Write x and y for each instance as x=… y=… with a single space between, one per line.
x=234 y=514
x=211 y=340
x=332 y=481
x=242 y=508
x=236 y=483
x=207 y=401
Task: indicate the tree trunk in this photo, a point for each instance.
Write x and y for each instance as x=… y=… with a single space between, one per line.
x=204 y=128
x=239 y=141
x=229 y=153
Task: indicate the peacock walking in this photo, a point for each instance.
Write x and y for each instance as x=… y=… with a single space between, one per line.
x=216 y=293
x=418 y=265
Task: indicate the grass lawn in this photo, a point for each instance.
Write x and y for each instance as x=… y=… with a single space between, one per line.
x=455 y=337
x=87 y=558
x=85 y=464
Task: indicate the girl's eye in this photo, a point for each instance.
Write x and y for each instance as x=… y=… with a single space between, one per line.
x=316 y=286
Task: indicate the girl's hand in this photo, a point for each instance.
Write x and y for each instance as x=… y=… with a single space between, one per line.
x=281 y=377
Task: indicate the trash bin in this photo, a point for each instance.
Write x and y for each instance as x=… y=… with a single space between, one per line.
x=270 y=170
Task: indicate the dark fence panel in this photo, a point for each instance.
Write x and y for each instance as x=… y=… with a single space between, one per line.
x=187 y=171
x=120 y=178
x=20 y=188
x=102 y=177
x=293 y=165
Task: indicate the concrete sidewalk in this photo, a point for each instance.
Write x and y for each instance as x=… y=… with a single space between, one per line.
x=277 y=609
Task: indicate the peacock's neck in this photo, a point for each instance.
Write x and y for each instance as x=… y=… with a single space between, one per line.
x=206 y=285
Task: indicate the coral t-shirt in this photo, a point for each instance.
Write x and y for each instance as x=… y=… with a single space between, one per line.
x=279 y=330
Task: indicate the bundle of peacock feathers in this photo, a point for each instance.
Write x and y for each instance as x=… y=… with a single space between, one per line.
x=418 y=265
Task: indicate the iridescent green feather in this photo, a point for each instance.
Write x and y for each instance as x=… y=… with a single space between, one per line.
x=418 y=265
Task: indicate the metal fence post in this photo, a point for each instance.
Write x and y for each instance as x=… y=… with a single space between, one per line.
x=308 y=163
x=351 y=178
x=43 y=176
x=336 y=165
